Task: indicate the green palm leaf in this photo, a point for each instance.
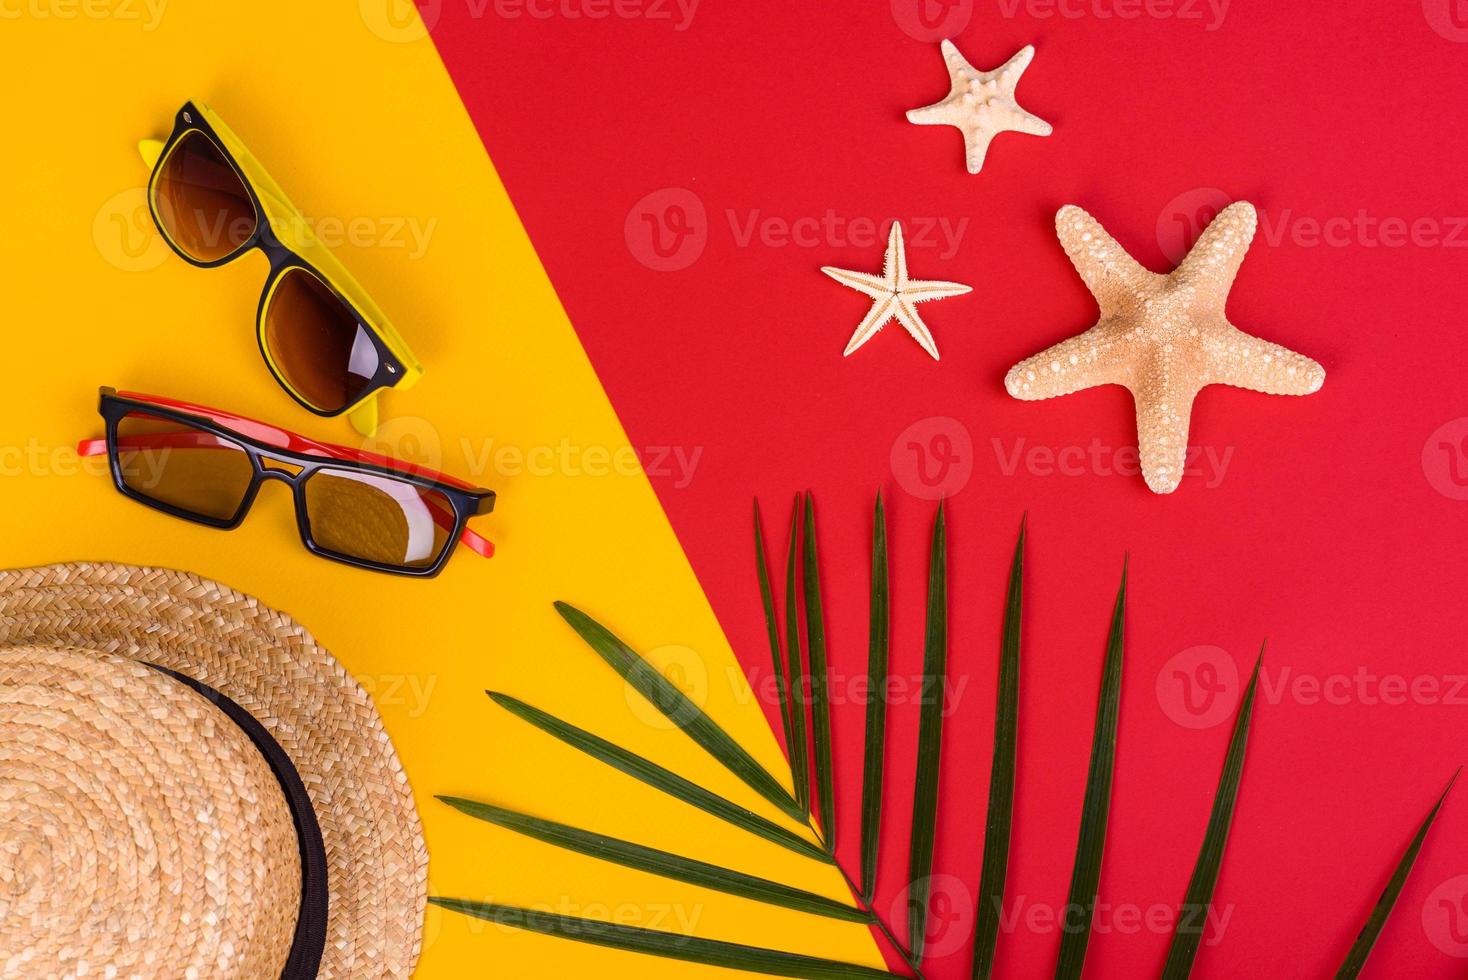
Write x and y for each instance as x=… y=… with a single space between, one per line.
x=688 y=949
x=998 y=826
x=1096 y=809
x=930 y=743
x=1362 y=947
x=676 y=706
x=772 y=625
x=799 y=747
x=658 y=862
x=879 y=637
x=820 y=679
x=1193 y=916
x=654 y=775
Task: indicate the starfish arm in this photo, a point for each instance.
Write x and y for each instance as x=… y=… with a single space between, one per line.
x=976 y=147
x=1214 y=261
x=1081 y=362
x=863 y=282
x=924 y=290
x=882 y=311
x=894 y=265
x=1245 y=361
x=1033 y=125
x=1162 y=436
x=913 y=323
x=1111 y=275
x=956 y=62
x=1009 y=73
x=937 y=114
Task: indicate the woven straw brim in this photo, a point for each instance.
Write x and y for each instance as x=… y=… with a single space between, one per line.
x=269 y=665
x=142 y=833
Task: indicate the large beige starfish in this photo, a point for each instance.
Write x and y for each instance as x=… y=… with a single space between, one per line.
x=982 y=104
x=1163 y=337
x=894 y=296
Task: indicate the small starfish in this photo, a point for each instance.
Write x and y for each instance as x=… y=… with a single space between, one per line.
x=1162 y=337
x=895 y=296
x=982 y=104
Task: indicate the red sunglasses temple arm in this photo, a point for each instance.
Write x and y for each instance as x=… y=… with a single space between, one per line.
x=477 y=543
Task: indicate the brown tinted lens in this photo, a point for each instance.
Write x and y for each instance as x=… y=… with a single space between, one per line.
x=182 y=466
x=316 y=342
x=377 y=518
x=201 y=202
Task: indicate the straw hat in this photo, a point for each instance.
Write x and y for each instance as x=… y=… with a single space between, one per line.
x=191 y=787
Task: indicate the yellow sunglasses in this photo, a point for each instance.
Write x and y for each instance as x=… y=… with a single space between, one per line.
x=324 y=339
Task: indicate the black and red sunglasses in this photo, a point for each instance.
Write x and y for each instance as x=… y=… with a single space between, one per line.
x=356 y=507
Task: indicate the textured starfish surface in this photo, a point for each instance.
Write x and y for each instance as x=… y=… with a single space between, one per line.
x=1162 y=337
x=894 y=296
x=982 y=104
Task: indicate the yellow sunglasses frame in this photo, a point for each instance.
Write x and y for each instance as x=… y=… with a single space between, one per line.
x=289 y=225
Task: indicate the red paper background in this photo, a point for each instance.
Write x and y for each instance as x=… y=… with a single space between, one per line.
x=1325 y=533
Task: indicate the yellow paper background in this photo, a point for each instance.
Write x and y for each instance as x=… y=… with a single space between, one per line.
x=352 y=111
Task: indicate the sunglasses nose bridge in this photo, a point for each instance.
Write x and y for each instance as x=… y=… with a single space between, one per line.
x=274 y=469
